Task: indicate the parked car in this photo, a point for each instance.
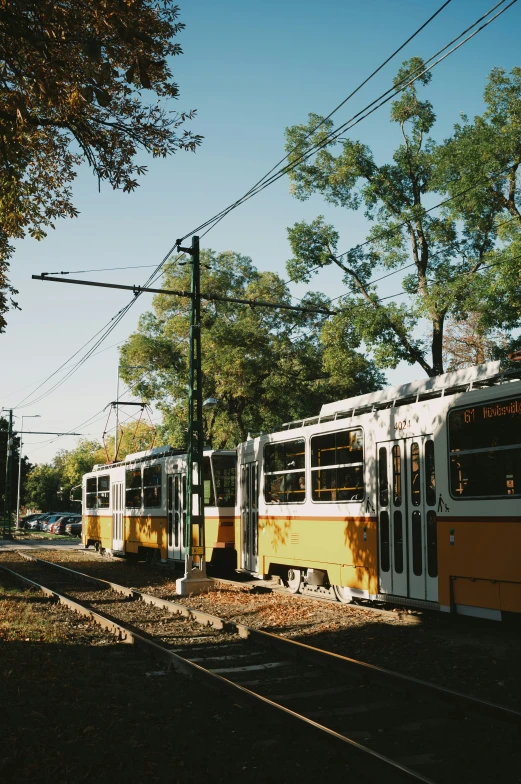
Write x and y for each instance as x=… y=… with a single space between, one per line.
x=49 y=524
x=35 y=525
x=29 y=518
x=74 y=529
x=59 y=526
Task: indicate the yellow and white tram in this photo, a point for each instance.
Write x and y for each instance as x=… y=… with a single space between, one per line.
x=411 y=494
x=137 y=506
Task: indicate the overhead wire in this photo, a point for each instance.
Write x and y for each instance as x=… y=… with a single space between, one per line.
x=109 y=327
x=359 y=116
x=342 y=103
x=20 y=389
x=99 y=269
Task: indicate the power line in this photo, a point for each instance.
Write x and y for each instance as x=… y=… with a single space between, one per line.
x=90 y=421
x=464 y=273
x=20 y=389
x=102 y=269
x=109 y=327
x=342 y=103
x=412 y=264
x=358 y=117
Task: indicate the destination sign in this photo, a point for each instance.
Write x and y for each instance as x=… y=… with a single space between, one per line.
x=494 y=411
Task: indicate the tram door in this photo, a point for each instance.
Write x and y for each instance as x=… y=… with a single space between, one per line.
x=117 y=516
x=250 y=516
x=407 y=534
x=176 y=515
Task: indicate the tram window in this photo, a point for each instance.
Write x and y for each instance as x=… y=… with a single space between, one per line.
x=397 y=475
x=385 y=563
x=285 y=456
x=432 y=544
x=285 y=488
x=133 y=485
x=398 y=542
x=415 y=473
x=209 y=498
x=338 y=484
x=103 y=492
x=485 y=450
x=417 y=560
x=430 y=476
x=152 y=485
x=337 y=466
x=382 y=476
x=225 y=475
x=490 y=473
x=90 y=495
x=284 y=472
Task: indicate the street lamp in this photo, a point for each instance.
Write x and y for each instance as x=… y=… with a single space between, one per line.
x=28 y=416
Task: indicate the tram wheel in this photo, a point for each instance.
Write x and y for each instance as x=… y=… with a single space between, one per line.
x=343 y=594
x=294 y=580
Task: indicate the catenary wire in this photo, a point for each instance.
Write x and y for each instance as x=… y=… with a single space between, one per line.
x=21 y=389
x=109 y=327
x=359 y=116
x=351 y=95
x=99 y=269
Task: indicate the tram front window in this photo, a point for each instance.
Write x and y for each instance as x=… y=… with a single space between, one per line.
x=485 y=450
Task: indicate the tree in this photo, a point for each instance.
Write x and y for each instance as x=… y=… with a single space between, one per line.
x=43 y=489
x=480 y=165
x=466 y=343
x=393 y=196
x=264 y=366
x=72 y=88
x=26 y=467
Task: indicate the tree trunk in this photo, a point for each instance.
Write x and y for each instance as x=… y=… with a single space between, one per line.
x=437 y=345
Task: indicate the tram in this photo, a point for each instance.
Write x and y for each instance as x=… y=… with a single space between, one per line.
x=411 y=494
x=137 y=506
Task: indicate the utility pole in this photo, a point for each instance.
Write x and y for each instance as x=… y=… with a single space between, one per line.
x=195 y=579
x=21 y=434
x=8 y=478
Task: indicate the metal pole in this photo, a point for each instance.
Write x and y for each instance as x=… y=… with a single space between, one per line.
x=194 y=581
x=117 y=419
x=19 y=475
x=28 y=416
x=8 y=476
x=194 y=484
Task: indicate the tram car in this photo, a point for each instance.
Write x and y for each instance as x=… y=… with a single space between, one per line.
x=410 y=494
x=137 y=506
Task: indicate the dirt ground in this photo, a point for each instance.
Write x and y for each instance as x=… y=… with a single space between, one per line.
x=75 y=705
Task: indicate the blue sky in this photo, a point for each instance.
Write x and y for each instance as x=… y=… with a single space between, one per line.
x=250 y=69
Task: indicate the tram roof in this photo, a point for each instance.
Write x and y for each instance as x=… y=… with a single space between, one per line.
x=457 y=378
x=447 y=383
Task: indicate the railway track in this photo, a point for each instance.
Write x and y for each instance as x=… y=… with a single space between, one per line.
x=384 y=723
